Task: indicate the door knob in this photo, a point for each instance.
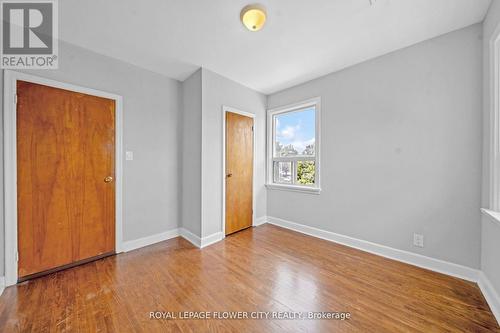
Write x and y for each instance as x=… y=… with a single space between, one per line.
x=108 y=179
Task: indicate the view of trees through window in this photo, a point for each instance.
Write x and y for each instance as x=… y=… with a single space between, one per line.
x=294 y=147
x=305 y=172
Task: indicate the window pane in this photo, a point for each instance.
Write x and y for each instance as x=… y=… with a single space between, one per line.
x=295 y=133
x=306 y=171
x=283 y=172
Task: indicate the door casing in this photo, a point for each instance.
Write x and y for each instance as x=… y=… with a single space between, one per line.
x=225 y=110
x=10 y=162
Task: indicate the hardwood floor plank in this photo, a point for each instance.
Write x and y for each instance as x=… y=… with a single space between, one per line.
x=260 y=269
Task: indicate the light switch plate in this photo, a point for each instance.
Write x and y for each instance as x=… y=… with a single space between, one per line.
x=129 y=155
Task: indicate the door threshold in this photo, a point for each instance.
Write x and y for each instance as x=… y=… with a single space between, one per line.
x=234 y=232
x=63 y=267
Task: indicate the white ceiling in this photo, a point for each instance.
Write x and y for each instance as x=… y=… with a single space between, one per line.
x=302 y=40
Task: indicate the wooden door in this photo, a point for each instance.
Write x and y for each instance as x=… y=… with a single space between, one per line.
x=239 y=172
x=65 y=178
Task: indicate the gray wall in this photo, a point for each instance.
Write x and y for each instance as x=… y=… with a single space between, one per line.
x=490 y=263
x=191 y=153
x=152 y=104
x=401 y=149
x=219 y=91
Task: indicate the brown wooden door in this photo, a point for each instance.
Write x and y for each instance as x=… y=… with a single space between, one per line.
x=239 y=172
x=65 y=151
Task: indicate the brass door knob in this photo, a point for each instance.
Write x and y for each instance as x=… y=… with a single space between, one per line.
x=108 y=179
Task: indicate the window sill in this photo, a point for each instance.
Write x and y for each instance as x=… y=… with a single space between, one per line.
x=293 y=188
x=494 y=216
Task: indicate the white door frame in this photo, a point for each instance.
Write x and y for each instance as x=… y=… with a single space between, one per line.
x=10 y=162
x=225 y=110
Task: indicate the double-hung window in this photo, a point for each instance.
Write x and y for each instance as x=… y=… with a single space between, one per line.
x=293 y=147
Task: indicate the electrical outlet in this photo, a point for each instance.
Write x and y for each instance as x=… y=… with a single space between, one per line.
x=129 y=155
x=418 y=240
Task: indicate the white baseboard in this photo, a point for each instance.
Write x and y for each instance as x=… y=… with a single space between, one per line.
x=432 y=264
x=2 y=284
x=260 y=220
x=149 y=240
x=211 y=239
x=189 y=236
x=184 y=233
x=201 y=242
x=490 y=294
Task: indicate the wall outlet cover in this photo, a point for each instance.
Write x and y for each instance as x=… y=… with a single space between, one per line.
x=418 y=240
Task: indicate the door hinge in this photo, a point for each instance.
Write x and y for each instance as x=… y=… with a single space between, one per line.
x=17 y=256
x=252 y=128
x=15 y=98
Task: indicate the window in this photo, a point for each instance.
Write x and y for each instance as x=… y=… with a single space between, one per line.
x=293 y=147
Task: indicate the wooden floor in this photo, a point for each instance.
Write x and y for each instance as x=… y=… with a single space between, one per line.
x=260 y=269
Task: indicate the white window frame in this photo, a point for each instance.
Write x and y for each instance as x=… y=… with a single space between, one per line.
x=314 y=189
x=494 y=129
x=493 y=210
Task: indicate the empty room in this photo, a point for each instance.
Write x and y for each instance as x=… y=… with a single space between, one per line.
x=238 y=166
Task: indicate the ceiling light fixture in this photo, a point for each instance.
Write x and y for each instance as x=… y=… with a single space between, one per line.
x=253 y=17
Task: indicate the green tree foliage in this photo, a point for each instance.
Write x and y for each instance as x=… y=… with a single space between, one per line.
x=305 y=172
